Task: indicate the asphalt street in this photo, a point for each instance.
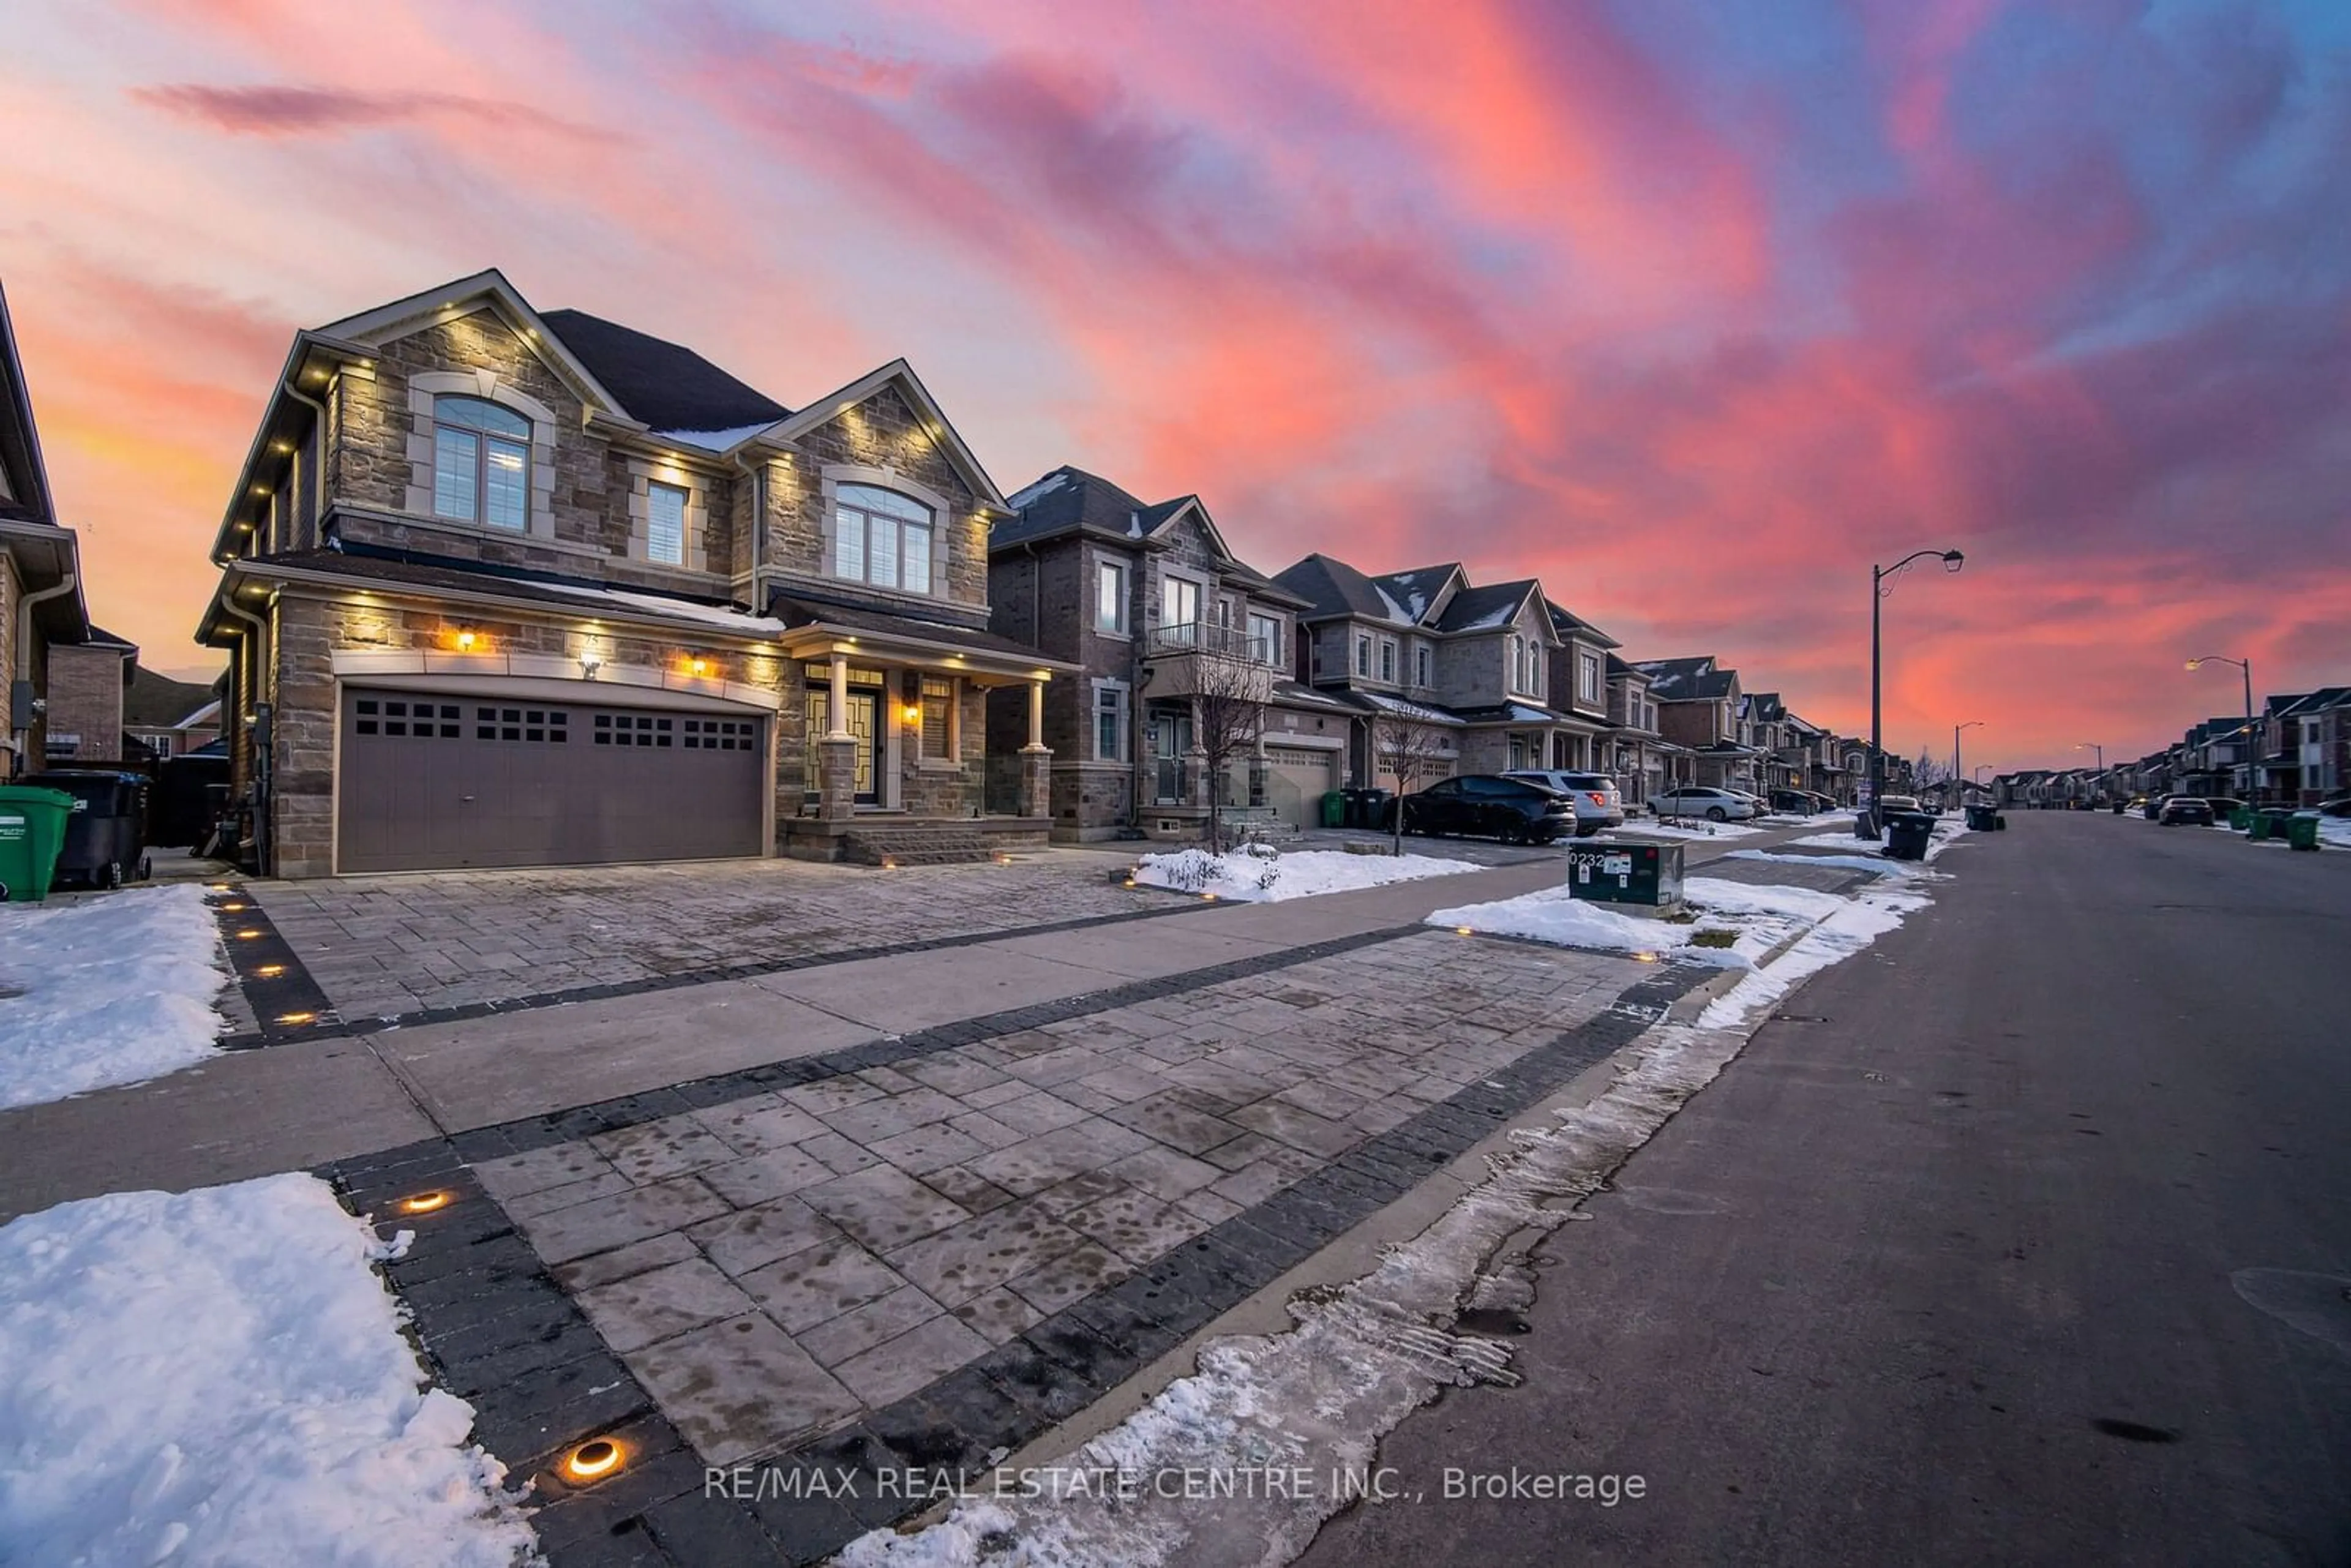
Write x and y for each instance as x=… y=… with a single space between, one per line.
x=2022 y=1238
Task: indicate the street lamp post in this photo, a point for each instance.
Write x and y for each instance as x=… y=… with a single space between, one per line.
x=2246 y=667
x=1864 y=824
x=1958 y=776
x=2093 y=746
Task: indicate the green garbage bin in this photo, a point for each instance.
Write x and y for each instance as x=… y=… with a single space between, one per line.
x=2257 y=826
x=2301 y=831
x=2241 y=818
x=32 y=832
x=1334 y=810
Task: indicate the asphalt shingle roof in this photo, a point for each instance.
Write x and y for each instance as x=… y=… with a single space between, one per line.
x=666 y=384
x=1478 y=609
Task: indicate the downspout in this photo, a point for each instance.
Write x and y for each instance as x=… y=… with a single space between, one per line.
x=317 y=449
x=23 y=666
x=255 y=637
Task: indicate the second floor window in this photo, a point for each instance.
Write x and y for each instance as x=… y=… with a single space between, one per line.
x=481 y=464
x=1265 y=639
x=1588 y=665
x=1179 y=606
x=1364 y=656
x=881 y=538
x=665 y=523
x=1387 y=659
x=1110 y=597
x=1421 y=665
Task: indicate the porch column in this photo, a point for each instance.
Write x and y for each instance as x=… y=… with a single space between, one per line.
x=836 y=753
x=1036 y=760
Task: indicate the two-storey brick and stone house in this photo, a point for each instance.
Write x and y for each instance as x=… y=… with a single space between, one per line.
x=1578 y=690
x=41 y=603
x=1428 y=647
x=1701 y=709
x=506 y=588
x=1639 y=755
x=1160 y=618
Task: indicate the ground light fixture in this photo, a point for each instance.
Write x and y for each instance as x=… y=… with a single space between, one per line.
x=248 y=934
x=269 y=971
x=291 y=1019
x=426 y=1202
x=592 y=1460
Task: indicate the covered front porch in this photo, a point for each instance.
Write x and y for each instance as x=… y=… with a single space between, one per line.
x=892 y=756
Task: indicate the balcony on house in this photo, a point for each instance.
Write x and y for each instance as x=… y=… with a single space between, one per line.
x=1194 y=655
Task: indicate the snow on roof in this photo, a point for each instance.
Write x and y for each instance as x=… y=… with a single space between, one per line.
x=1045 y=486
x=1398 y=705
x=713 y=440
x=718 y=615
x=1522 y=713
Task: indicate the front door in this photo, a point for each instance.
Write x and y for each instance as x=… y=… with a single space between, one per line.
x=1171 y=739
x=865 y=723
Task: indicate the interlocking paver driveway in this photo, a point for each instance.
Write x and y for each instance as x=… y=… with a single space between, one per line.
x=383 y=946
x=771 y=1266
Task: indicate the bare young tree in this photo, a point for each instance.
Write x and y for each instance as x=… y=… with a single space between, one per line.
x=1409 y=749
x=1229 y=696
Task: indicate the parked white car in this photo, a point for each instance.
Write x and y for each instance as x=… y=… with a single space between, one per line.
x=1704 y=801
x=1598 y=802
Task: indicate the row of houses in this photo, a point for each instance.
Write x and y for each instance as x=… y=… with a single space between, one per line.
x=2296 y=752
x=504 y=586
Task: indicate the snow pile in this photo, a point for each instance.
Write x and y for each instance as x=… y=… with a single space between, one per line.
x=2335 y=832
x=1258 y=874
x=1688 y=827
x=109 y=990
x=218 y=1378
x=1760 y=918
x=1861 y=920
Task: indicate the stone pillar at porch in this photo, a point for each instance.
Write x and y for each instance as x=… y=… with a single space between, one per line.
x=836 y=753
x=1036 y=760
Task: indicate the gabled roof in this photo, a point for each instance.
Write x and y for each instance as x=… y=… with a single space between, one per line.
x=935 y=423
x=1421 y=591
x=156 y=701
x=664 y=385
x=1071 y=501
x=1688 y=680
x=1617 y=667
x=2319 y=700
x=1765 y=708
x=1333 y=588
x=1565 y=620
x=1489 y=608
x=487 y=289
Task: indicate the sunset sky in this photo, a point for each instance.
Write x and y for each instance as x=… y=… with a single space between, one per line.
x=1691 y=310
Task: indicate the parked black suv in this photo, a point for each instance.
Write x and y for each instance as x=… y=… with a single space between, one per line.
x=1481 y=805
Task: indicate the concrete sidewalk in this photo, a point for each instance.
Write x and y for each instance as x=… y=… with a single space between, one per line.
x=299 y=1105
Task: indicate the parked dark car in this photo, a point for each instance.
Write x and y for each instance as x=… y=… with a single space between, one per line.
x=2222 y=807
x=2338 y=807
x=1796 y=802
x=2185 y=810
x=1481 y=805
x=106 y=837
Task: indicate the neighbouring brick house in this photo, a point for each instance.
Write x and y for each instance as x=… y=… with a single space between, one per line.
x=2305 y=746
x=41 y=603
x=1578 y=690
x=1641 y=758
x=501 y=588
x=1701 y=709
x=1429 y=648
x=169 y=717
x=87 y=683
x=1149 y=602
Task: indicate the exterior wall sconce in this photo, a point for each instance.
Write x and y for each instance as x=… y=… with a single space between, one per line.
x=912 y=712
x=466 y=640
x=700 y=667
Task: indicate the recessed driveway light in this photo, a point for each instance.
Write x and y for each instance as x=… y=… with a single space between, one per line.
x=425 y=1202
x=598 y=1457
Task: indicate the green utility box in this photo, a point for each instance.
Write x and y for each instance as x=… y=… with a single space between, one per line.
x=2301 y=831
x=32 y=832
x=1610 y=873
x=1334 y=810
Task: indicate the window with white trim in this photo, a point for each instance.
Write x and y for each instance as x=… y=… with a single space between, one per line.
x=881 y=538
x=1110 y=722
x=1364 y=656
x=1110 y=597
x=1589 y=666
x=1388 y=659
x=665 y=523
x=481 y=464
x=1421 y=660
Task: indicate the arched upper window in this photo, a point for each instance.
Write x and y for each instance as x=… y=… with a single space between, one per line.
x=481 y=462
x=881 y=538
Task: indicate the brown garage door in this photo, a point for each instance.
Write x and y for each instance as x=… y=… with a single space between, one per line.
x=433 y=780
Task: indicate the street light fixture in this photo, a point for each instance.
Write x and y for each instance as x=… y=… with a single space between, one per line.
x=1958 y=776
x=2245 y=665
x=1864 y=824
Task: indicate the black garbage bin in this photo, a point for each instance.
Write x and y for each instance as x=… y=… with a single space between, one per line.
x=1908 y=834
x=1981 y=818
x=1350 y=813
x=1377 y=805
x=106 y=836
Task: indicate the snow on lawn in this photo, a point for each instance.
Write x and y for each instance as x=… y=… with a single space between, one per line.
x=1759 y=918
x=1269 y=877
x=114 y=989
x=2335 y=832
x=219 y=1377
x=1689 y=828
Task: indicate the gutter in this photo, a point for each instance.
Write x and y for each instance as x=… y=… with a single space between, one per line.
x=23 y=666
x=256 y=637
